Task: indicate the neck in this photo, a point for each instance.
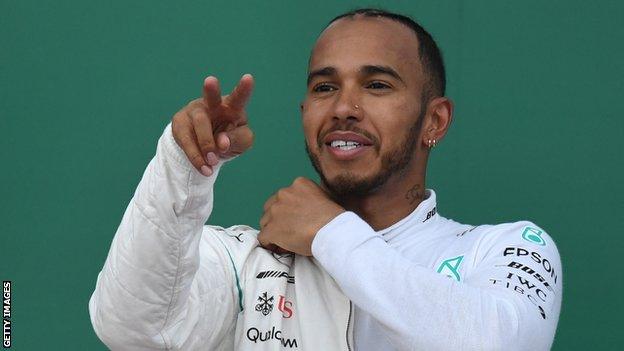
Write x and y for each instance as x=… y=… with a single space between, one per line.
x=396 y=199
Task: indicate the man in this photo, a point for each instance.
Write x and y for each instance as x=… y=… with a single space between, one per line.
x=375 y=267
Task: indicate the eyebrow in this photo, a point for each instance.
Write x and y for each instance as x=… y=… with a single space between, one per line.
x=377 y=69
x=322 y=72
x=365 y=70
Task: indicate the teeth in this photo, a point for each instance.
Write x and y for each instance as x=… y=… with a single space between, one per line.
x=347 y=147
x=345 y=144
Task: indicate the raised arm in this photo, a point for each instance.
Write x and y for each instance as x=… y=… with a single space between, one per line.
x=148 y=295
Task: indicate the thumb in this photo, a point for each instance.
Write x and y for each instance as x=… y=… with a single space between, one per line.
x=265 y=243
x=239 y=140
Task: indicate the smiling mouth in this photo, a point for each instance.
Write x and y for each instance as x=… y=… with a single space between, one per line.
x=346 y=150
x=344 y=144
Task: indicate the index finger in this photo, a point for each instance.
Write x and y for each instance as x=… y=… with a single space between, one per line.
x=241 y=93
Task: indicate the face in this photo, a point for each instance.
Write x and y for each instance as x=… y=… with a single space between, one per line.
x=363 y=108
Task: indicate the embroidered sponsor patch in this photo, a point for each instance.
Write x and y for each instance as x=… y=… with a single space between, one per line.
x=533 y=235
x=276 y=274
x=450 y=267
x=265 y=304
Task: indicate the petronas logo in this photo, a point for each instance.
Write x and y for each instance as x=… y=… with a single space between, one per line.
x=533 y=235
x=450 y=267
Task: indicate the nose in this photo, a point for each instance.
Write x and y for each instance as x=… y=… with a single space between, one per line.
x=347 y=106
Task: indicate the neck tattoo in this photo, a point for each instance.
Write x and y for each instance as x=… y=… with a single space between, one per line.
x=414 y=194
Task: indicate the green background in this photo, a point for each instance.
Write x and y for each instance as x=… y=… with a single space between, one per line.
x=87 y=87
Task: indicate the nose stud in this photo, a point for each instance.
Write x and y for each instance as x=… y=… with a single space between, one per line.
x=356 y=106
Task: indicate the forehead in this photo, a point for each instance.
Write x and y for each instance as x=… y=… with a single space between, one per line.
x=352 y=42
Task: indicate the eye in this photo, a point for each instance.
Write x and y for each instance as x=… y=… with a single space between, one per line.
x=378 y=85
x=323 y=87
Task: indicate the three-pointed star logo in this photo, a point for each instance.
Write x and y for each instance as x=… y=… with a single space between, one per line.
x=450 y=267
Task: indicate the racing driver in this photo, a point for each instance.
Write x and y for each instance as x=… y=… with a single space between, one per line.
x=361 y=261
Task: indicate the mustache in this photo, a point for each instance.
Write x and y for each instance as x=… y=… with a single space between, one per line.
x=347 y=128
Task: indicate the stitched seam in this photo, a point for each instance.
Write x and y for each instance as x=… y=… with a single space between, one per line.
x=174 y=299
x=238 y=287
x=177 y=274
x=186 y=204
x=189 y=186
x=125 y=289
x=116 y=281
x=145 y=216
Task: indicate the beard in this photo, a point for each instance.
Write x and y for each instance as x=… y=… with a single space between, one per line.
x=393 y=163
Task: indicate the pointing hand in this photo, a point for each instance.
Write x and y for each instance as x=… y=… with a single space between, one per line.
x=214 y=127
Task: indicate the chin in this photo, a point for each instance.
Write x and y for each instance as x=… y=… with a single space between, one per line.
x=349 y=184
x=342 y=183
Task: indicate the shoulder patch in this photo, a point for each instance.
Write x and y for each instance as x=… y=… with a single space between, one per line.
x=533 y=235
x=450 y=267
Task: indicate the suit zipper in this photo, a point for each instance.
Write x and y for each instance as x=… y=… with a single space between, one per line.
x=349 y=325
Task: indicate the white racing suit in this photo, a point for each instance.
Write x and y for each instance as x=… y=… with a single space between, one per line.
x=425 y=283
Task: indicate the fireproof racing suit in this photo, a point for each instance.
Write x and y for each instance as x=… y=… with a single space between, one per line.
x=425 y=283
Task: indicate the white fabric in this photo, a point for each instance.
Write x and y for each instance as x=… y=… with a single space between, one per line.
x=172 y=283
x=502 y=291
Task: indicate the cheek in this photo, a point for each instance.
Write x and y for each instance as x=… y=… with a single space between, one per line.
x=393 y=129
x=311 y=128
x=313 y=117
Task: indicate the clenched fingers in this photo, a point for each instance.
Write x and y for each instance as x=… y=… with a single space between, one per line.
x=265 y=241
x=264 y=220
x=204 y=134
x=269 y=202
x=183 y=132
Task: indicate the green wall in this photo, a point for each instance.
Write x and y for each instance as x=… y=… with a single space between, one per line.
x=86 y=89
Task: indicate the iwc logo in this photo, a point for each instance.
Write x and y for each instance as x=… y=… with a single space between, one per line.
x=533 y=235
x=450 y=267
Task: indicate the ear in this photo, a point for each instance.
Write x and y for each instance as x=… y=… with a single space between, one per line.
x=437 y=120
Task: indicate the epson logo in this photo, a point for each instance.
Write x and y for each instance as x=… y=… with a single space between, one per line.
x=535 y=256
x=276 y=274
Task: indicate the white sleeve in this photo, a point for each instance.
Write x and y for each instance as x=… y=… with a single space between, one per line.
x=420 y=309
x=148 y=295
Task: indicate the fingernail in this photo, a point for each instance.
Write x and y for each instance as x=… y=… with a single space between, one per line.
x=205 y=170
x=226 y=143
x=211 y=158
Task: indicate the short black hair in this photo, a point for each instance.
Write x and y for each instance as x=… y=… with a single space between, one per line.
x=430 y=54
